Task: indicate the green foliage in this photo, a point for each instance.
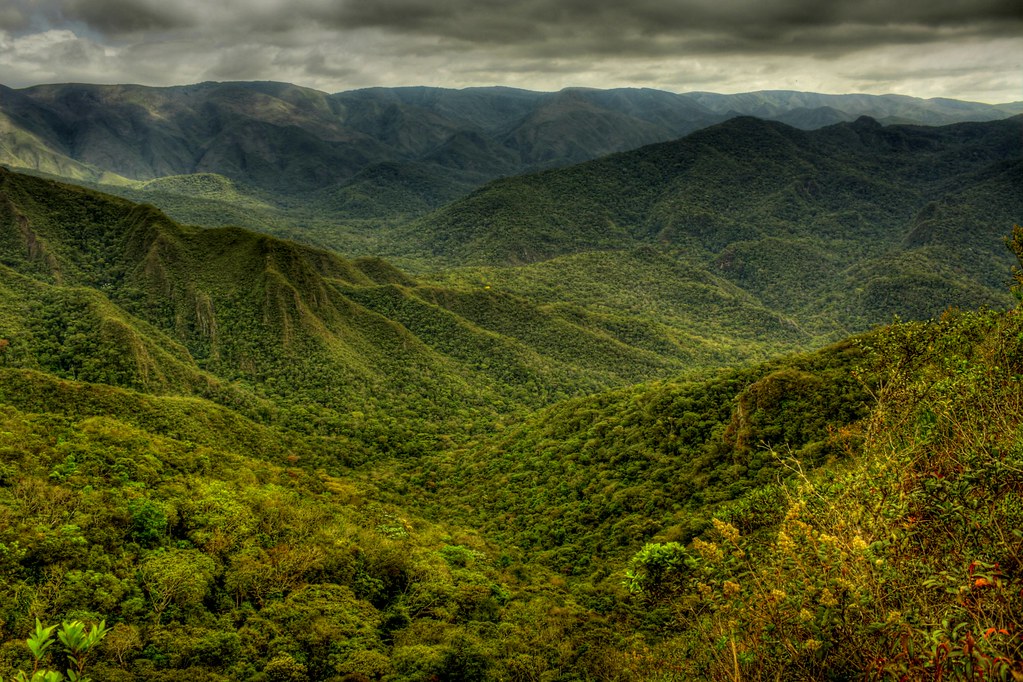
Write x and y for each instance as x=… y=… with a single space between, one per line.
x=655 y=299
x=1015 y=244
x=356 y=172
x=255 y=568
x=40 y=640
x=658 y=567
x=180 y=577
x=290 y=335
x=588 y=481
x=78 y=644
x=149 y=522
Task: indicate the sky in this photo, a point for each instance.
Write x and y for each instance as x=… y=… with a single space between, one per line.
x=963 y=49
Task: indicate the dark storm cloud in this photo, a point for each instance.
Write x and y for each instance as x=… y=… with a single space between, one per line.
x=959 y=48
x=528 y=66
x=569 y=27
x=29 y=15
x=104 y=17
x=319 y=64
x=13 y=17
x=774 y=26
x=112 y=17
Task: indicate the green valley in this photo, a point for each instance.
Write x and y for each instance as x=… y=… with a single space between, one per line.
x=742 y=405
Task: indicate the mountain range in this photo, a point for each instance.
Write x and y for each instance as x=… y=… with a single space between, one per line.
x=212 y=438
x=589 y=385
x=379 y=152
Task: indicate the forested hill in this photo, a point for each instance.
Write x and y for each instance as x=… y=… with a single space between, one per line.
x=742 y=180
x=857 y=220
x=98 y=289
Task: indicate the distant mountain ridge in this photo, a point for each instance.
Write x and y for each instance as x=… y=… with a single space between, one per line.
x=277 y=139
x=824 y=231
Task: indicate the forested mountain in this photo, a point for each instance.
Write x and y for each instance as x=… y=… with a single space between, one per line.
x=156 y=355
x=99 y=289
x=843 y=226
x=627 y=419
x=420 y=146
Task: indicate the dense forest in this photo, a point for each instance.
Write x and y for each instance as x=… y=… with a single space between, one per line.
x=691 y=432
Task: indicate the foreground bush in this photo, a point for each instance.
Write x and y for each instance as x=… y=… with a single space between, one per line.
x=908 y=563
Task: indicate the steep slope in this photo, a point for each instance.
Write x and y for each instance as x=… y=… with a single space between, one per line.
x=98 y=289
x=225 y=302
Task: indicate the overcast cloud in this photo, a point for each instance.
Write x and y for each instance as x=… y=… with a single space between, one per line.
x=967 y=49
